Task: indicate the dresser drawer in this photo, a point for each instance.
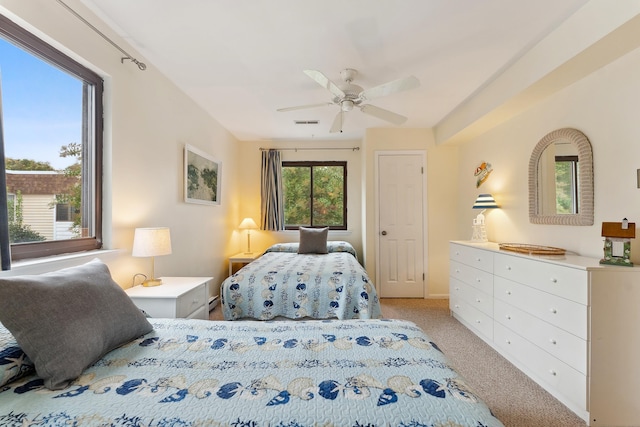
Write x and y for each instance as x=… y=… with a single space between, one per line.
x=560 y=312
x=475 y=277
x=191 y=301
x=566 y=282
x=472 y=296
x=558 y=342
x=557 y=377
x=474 y=257
x=475 y=319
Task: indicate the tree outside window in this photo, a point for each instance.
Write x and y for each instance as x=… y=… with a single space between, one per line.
x=315 y=194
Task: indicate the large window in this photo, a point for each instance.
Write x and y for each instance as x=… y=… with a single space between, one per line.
x=51 y=117
x=315 y=194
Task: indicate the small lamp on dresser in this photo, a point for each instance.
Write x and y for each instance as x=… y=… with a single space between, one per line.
x=484 y=202
x=248 y=224
x=151 y=242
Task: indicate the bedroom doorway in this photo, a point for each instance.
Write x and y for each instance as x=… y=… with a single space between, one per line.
x=400 y=219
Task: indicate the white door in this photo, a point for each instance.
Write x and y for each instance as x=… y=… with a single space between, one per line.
x=401 y=272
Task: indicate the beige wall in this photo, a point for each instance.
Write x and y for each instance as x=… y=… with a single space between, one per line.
x=604 y=107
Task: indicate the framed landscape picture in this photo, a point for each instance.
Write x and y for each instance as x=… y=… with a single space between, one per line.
x=202 y=176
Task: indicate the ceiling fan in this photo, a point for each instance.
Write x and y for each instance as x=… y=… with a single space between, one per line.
x=347 y=95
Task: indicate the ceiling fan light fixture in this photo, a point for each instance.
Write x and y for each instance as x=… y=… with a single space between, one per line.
x=347 y=95
x=346 y=105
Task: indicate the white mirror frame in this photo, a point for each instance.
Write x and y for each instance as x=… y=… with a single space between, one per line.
x=585 y=183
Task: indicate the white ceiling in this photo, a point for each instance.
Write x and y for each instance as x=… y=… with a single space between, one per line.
x=241 y=60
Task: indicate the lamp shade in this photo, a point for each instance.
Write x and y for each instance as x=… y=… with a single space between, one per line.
x=485 y=201
x=148 y=242
x=248 y=224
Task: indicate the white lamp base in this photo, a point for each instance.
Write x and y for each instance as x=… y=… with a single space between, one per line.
x=479 y=233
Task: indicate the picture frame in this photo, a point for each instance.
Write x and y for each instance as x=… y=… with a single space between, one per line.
x=202 y=177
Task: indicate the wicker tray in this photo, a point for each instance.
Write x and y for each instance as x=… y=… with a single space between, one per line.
x=531 y=249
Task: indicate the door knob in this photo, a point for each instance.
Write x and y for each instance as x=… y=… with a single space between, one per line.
x=384 y=233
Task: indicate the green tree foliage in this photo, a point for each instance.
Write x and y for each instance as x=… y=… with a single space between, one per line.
x=192 y=178
x=27 y=165
x=210 y=178
x=564 y=187
x=297 y=195
x=317 y=203
x=328 y=195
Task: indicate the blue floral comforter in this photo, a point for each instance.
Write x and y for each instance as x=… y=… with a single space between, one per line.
x=282 y=283
x=304 y=373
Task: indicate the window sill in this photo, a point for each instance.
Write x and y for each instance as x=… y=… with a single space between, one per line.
x=331 y=232
x=47 y=264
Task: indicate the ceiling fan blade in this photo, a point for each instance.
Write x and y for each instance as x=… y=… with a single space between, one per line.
x=385 y=89
x=300 y=107
x=383 y=114
x=323 y=81
x=337 y=122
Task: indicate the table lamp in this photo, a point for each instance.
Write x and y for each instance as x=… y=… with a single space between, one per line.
x=151 y=242
x=484 y=202
x=248 y=224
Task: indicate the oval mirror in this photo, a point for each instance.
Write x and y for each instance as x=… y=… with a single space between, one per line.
x=561 y=179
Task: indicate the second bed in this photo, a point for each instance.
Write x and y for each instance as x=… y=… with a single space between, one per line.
x=285 y=284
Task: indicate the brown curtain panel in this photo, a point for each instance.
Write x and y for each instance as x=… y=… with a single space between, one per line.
x=272 y=204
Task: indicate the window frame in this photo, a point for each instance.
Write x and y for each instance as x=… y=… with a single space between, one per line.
x=92 y=160
x=311 y=165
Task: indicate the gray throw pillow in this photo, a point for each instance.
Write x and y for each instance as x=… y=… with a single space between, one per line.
x=313 y=240
x=68 y=319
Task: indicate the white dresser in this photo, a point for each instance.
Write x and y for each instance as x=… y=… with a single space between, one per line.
x=177 y=297
x=569 y=323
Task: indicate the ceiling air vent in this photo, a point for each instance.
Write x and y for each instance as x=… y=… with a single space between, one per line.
x=305 y=122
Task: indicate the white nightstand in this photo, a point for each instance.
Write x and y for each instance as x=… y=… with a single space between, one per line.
x=183 y=297
x=243 y=258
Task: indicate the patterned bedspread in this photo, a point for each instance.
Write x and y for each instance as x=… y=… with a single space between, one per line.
x=295 y=286
x=244 y=373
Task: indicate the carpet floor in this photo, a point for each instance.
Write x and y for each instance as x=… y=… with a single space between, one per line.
x=513 y=397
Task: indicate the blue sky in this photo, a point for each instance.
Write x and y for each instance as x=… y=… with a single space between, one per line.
x=41 y=106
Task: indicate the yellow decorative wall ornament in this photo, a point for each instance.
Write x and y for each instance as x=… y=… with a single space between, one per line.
x=482 y=173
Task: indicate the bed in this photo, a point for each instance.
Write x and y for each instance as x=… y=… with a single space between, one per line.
x=285 y=283
x=247 y=373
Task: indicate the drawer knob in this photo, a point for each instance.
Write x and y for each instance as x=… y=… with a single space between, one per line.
x=554 y=280
x=478 y=279
x=477 y=299
x=508 y=268
x=457 y=270
x=553 y=310
x=508 y=341
x=457 y=288
x=552 y=372
x=457 y=306
x=478 y=321
x=508 y=292
x=478 y=259
x=508 y=317
x=553 y=341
